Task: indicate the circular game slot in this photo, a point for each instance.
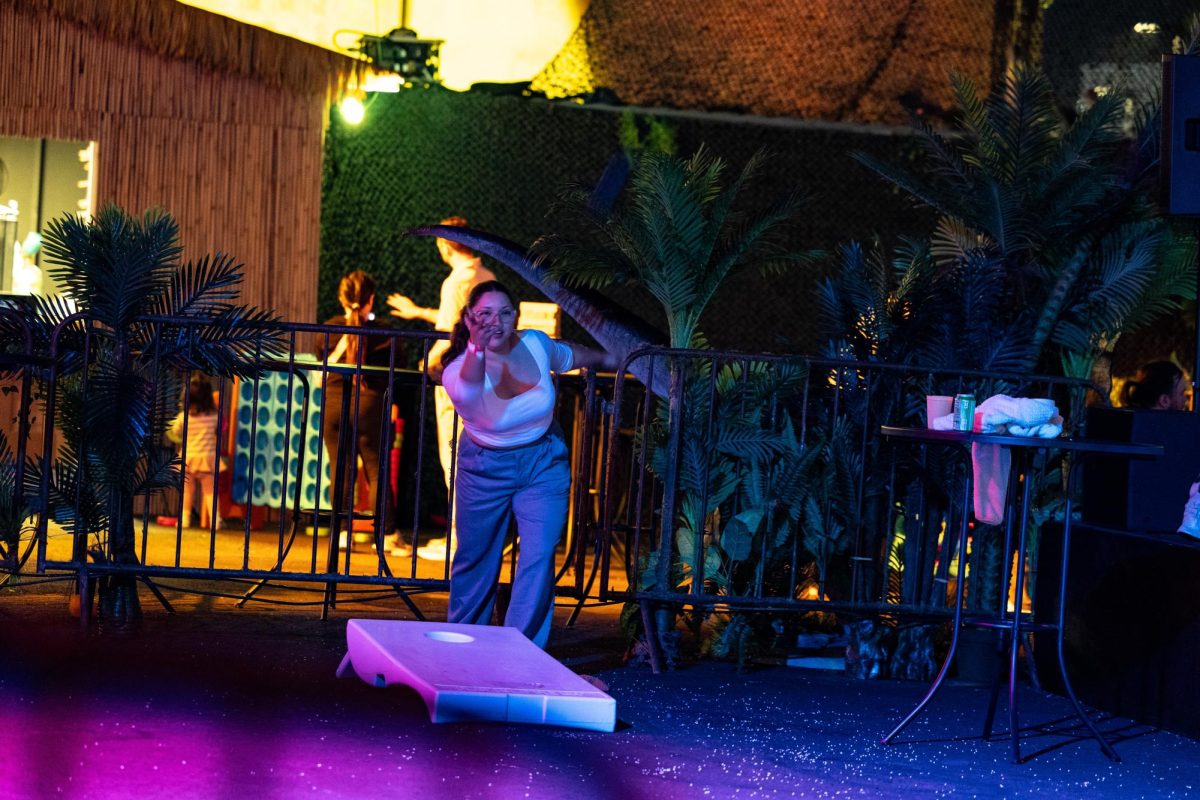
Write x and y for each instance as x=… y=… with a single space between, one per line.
x=449 y=636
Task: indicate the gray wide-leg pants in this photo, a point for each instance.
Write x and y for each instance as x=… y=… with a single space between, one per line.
x=531 y=482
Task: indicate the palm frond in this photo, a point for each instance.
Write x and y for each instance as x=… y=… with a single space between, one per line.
x=1087 y=140
x=946 y=159
x=1173 y=282
x=1004 y=351
x=1127 y=262
x=205 y=287
x=236 y=342
x=1025 y=121
x=919 y=190
x=71 y=500
x=117 y=415
x=750 y=442
x=579 y=265
x=953 y=240
x=722 y=204
x=116 y=266
x=52 y=333
x=974 y=117
x=753 y=239
x=160 y=469
x=997 y=216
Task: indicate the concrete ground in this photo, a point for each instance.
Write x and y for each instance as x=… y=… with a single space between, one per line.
x=219 y=702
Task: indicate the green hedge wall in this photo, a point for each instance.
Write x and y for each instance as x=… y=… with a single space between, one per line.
x=424 y=154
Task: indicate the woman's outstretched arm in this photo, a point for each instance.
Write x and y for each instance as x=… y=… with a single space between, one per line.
x=592 y=358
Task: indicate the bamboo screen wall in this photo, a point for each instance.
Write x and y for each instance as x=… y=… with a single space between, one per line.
x=235 y=157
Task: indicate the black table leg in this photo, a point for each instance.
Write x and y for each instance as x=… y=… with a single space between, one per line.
x=958 y=606
x=1014 y=639
x=1062 y=613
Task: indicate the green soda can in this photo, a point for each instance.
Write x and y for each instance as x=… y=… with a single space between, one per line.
x=964 y=412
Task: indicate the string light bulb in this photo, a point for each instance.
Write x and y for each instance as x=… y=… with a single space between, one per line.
x=352 y=109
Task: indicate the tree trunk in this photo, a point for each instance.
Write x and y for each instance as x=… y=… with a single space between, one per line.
x=618 y=331
x=120 y=607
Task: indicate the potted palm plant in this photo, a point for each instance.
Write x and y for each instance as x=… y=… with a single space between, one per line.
x=678 y=234
x=130 y=323
x=1046 y=249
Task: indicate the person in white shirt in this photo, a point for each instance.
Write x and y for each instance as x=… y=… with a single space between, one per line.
x=512 y=460
x=466 y=272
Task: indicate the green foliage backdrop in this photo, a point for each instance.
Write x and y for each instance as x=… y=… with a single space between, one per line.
x=424 y=154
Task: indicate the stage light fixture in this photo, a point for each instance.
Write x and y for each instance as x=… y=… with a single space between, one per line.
x=402 y=52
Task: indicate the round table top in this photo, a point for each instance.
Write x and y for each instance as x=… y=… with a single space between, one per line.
x=928 y=435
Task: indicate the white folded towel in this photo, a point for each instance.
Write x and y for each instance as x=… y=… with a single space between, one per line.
x=1019 y=416
x=1016 y=416
x=1051 y=429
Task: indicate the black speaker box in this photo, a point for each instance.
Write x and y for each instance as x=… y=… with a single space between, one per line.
x=1133 y=623
x=1180 y=140
x=1141 y=494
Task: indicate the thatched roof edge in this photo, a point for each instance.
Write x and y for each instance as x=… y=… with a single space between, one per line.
x=179 y=31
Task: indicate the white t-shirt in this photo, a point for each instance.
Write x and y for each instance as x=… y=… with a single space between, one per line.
x=493 y=421
x=465 y=272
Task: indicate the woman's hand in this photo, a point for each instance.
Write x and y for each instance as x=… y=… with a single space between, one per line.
x=481 y=332
x=402 y=306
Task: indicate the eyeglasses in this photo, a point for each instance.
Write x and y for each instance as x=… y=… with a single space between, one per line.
x=487 y=316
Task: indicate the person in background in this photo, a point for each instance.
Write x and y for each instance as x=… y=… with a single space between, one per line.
x=1158 y=386
x=512 y=460
x=200 y=451
x=466 y=272
x=366 y=396
x=1162 y=386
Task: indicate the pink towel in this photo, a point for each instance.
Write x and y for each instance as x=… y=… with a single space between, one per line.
x=990 y=463
x=1016 y=416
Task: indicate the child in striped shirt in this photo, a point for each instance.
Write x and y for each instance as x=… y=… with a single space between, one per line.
x=200 y=452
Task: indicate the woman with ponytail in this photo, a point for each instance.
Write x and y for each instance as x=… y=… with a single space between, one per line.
x=512 y=460
x=346 y=394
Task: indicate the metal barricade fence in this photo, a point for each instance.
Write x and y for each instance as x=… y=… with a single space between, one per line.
x=762 y=482
x=294 y=430
x=779 y=491
x=20 y=428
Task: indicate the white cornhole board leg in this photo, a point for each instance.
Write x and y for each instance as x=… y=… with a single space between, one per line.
x=475 y=672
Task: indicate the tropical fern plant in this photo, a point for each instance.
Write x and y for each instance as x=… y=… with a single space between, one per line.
x=679 y=235
x=1045 y=250
x=718 y=459
x=131 y=322
x=1047 y=245
x=14 y=511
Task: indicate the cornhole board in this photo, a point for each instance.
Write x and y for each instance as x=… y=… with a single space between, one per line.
x=468 y=673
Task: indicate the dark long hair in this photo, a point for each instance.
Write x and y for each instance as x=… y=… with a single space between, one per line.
x=355 y=291
x=460 y=335
x=1153 y=381
x=200 y=396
